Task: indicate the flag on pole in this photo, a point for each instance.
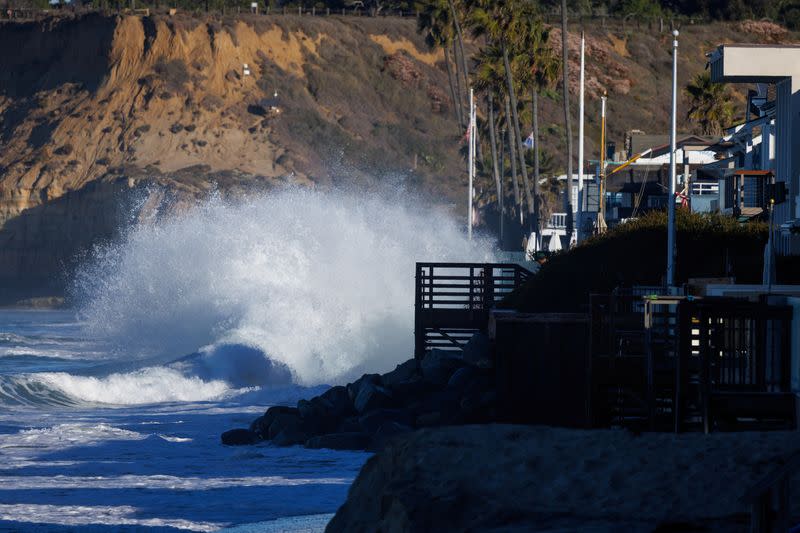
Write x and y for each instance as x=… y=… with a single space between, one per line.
x=528 y=143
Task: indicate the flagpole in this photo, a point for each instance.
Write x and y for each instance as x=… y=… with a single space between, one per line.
x=471 y=163
x=671 y=198
x=601 y=218
x=579 y=223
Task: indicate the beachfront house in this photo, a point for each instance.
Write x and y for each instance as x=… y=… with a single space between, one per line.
x=642 y=185
x=775 y=128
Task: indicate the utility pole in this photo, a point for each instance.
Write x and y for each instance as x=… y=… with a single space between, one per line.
x=471 y=159
x=601 y=219
x=671 y=252
x=579 y=221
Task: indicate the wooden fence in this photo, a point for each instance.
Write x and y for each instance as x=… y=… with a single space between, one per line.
x=691 y=364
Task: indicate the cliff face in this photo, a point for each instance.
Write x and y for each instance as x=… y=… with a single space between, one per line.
x=94 y=110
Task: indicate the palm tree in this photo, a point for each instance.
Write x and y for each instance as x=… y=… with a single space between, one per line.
x=489 y=81
x=567 y=121
x=710 y=104
x=436 y=24
x=460 y=40
x=501 y=23
x=541 y=68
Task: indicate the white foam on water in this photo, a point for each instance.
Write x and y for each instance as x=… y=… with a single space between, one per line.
x=85 y=515
x=322 y=283
x=65 y=435
x=290 y=524
x=157 y=482
x=145 y=386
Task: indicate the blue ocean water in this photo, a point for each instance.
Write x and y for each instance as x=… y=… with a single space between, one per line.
x=91 y=442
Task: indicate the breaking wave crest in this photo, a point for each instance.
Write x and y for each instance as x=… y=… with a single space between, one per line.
x=320 y=284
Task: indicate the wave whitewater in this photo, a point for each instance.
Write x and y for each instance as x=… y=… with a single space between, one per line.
x=320 y=284
x=145 y=386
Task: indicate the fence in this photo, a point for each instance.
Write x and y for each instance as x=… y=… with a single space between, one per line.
x=683 y=363
x=733 y=364
x=597 y=18
x=453 y=300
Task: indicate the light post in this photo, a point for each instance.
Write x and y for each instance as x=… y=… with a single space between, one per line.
x=671 y=252
x=471 y=160
x=579 y=222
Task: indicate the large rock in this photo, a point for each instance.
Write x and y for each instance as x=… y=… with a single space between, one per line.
x=478 y=350
x=438 y=365
x=407 y=392
x=354 y=388
x=317 y=415
x=402 y=373
x=340 y=441
x=349 y=425
x=439 y=408
x=386 y=433
x=239 y=437
x=340 y=402
x=536 y=478
x=370 y=422
x=260 y=426
x=371 y=397
x=283 y=422
x=468 y=379
x=290 y=436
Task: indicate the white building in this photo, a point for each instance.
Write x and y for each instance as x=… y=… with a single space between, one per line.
x=778 y=65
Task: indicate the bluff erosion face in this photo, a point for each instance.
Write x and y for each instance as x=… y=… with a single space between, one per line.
x=95 y=108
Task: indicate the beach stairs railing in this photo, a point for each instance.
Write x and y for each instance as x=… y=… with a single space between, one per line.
x=453 y=300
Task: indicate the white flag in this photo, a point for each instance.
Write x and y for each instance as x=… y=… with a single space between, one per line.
x=528 y=143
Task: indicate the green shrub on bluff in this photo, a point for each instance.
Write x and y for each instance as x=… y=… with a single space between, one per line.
x=634 y=253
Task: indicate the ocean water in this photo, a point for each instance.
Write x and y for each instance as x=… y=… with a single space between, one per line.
x=192 y=324
x=74 y=457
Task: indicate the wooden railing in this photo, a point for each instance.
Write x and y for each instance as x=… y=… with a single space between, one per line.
x=452 y=300
x=691 y=364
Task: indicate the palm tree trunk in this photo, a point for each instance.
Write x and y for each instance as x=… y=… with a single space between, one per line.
x=495 y=169
x=513 y=157
x=567 y=122
x=535 y=105
x=460 y=39
x=515 y=119
x=478 y=145
x=501 y=148
x=458 y=88
x=456 y=103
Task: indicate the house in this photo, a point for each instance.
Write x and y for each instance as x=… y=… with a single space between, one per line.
x=777 y=66
x=643 y=184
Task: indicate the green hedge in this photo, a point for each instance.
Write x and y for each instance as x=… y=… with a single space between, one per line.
x=634 y=253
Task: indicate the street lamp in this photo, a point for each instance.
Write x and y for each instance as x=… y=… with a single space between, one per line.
x=671 y=252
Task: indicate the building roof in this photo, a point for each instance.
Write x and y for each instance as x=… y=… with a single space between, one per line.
x=754 y=63
x=641 y=142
